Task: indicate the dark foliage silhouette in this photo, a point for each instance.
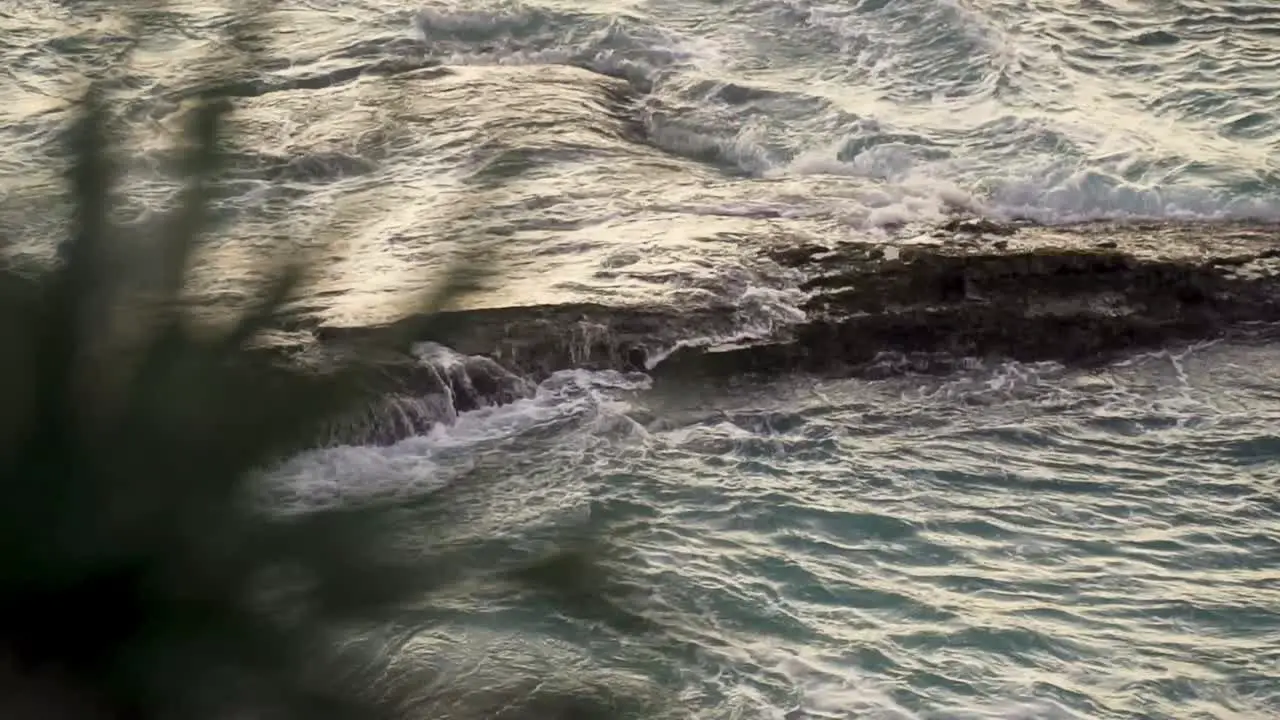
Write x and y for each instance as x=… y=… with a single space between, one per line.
x=138 y=577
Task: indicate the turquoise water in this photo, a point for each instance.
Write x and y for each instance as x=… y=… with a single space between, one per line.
x=1014 y=541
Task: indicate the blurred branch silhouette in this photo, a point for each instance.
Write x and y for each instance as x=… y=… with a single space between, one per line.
x=137 y=577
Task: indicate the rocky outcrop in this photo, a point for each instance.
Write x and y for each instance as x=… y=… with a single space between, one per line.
x=537 y=340
x=1074 y=294
x=412 y=390
x=967 y=289
x=970 y=289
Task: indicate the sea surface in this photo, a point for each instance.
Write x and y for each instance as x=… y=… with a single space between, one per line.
x=1010 y=541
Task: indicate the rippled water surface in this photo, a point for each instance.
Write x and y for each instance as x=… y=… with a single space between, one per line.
x=1010 y=542
x=1019 y=541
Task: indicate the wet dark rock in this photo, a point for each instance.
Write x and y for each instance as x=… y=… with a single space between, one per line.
x=1075 y=294
x=538 y=340
x=414 y=391
x=1066 y=293
x=1079 y=294
x=979 y=226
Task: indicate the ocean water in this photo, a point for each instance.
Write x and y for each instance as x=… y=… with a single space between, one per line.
x=1011 y=541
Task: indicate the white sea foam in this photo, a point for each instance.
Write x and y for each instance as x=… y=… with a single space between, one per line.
x=592 y=401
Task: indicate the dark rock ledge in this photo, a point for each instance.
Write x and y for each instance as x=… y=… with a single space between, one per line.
x=1079 y=294
x=970 y=289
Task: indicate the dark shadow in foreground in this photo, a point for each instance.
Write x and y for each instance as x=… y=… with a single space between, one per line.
x=138 y=577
